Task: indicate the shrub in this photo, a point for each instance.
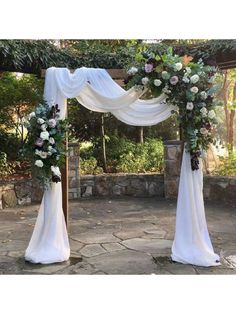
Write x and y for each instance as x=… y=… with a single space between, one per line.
x=228 y=166
x=124 y=156
x=146 y=157
x=89 y=166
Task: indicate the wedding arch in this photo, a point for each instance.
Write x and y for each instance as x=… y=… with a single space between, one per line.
x=96 y=90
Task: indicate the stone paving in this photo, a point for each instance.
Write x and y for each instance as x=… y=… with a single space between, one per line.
x=117 y=236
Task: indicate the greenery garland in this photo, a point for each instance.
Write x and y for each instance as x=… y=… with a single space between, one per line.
x=189 y=88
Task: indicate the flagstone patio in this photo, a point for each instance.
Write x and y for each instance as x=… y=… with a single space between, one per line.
x=117 y=236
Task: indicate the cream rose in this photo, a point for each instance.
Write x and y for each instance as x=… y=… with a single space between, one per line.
x=39 y=163
x=40 y=121
x=178 y=66
x=44 y=135
x=203 y=95
x=194 y=79
x=189 y=106
x=145 y=80
x=203 y=131
x=194 y=89
x=157 y=82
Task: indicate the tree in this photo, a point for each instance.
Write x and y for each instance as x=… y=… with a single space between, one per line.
x=19 y=94
x=228 y=95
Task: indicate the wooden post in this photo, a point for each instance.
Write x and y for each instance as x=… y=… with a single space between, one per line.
x=65 y=184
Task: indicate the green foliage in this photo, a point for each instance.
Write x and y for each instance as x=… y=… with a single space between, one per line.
x=5 y=166
x=124 y=155
x=228 y=165
x=147 y=157
x=89 y=166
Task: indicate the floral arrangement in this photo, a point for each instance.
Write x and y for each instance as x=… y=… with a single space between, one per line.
x=188 y=87
x=45 y=143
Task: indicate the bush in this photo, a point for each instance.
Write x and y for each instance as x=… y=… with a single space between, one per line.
x=89 y=166
x=123 y=156
x=228 y=166
x=147 y=157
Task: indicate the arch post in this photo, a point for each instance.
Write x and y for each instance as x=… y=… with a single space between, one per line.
x=173 y=151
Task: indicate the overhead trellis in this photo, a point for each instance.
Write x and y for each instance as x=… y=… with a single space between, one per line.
x=30 y=56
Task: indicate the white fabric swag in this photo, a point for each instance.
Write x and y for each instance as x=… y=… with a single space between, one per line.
x=96 y=90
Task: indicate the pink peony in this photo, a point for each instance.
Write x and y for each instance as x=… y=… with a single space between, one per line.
x=148 y=67
x=39 y=142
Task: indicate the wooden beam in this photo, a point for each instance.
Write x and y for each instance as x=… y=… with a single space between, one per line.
x=116 y=74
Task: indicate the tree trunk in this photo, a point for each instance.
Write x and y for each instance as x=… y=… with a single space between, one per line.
x=229 y=113
x=140 y=135
x=104 y=145
x=231 y=122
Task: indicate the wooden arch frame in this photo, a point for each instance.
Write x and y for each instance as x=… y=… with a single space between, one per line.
x=118 y=76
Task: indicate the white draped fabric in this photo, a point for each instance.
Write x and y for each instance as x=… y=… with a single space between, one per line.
x=192 y=244
x=96 y=90
x=49 y=242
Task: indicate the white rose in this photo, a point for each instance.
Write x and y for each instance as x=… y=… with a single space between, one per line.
x=185 y=79
x=37 y=152
x=132 y=71
x=43 y=155
x=31 y=115
x=44 y=135
x=145 y=80
x=194 y=89
x=203 y=95
x=43 y=127
x=51 y=140
x=189 y=106
x=157 y=82
x=204 y=112
x=203 y=131
x=40 y=121
x=56 y=171
x=39 y=163
x=211 y=114
x=178 y=66
x=50 y=148
x=194 y=79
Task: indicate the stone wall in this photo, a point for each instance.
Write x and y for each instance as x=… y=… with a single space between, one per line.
x=122 y=184
x=217 y=188
x=22 y=192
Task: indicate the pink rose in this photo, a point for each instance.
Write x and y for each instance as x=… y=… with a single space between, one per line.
x=174 y=80
x=148 y=67
x=39 y=142
x=52 y=123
